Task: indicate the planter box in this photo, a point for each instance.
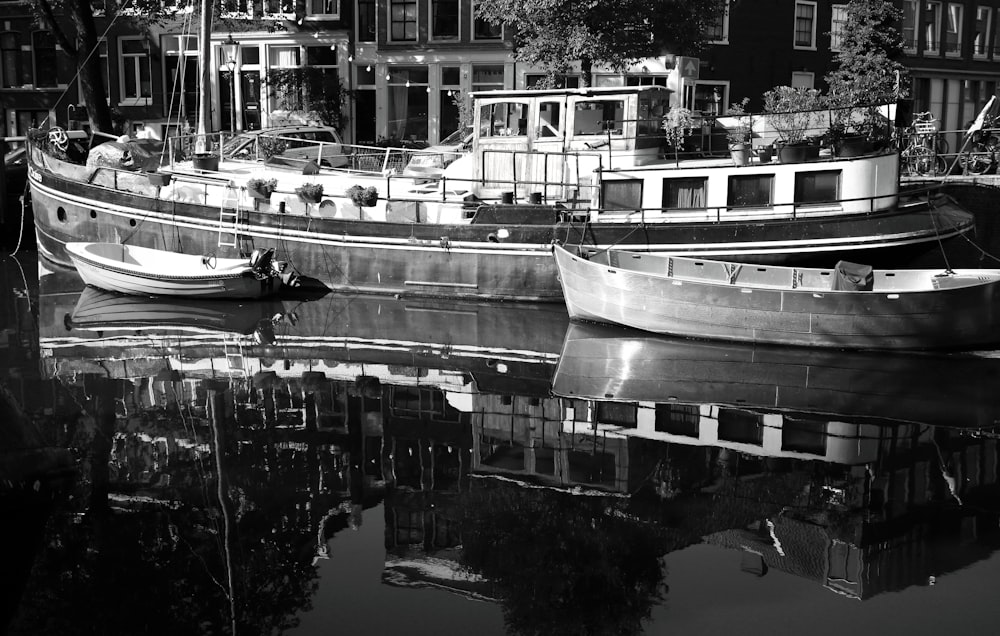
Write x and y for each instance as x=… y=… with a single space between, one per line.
x=309 y=198
x=260 y=195
x=159 y=179
x=798 y=152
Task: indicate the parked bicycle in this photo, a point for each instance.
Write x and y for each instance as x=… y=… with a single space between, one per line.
x=923 y=155
x=980 y=154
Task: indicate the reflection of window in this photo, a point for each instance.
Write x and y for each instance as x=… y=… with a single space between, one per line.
x=838 y=20
x=685 y=193
x=980 y=39
x=402 y=20
x=10 y=58
x=483 y=30
x=133 y=67
x=932 y=27
x=622 y=194
x=444 y=19
x=817 y=187
x=803 y=436
x=910 y=25
x=740 y=426
x=366 y=20
x=751 y=190
x=953 y=31
x=718 y=31
x=805 y=25
x=678 y=419
x=599 y=117
x=43 y=47
x=624 y=414
x=503 y=119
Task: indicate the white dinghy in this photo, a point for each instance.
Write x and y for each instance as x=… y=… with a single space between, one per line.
x=142 y=271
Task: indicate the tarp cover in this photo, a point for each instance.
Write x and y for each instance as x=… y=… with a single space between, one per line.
x=852 y=277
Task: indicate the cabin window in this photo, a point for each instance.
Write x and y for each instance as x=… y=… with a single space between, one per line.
x=503 y=119
x=751 y=190
x=623 y=194
x=689 y=192
x=599 y=117
x=817 y=187
x=652 y=107
x=549 y=119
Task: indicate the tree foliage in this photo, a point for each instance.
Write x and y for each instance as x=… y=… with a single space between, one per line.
x=868 y=70
x=555 y=33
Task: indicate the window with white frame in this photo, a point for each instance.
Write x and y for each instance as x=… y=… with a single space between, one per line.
x=805 y=25
x=980 y=37
x=279 y=7
x=838 y=20
x=932 y=28
x=909 y=31
x=327 y=9
x=953 y=30
x=483 y=30
x=10 y=59
x=718 y=31
x=803 y=79
x=181 y=77
x=444 y=19
x=43 y=54
x=402 y=20
x=135 y=87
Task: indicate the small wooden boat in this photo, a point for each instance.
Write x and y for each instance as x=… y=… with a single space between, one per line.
x=143 y=271
x=849 y=307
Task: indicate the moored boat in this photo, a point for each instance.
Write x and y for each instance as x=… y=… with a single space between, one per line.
x=577 y=167
x=129 y=269
x=850 y=306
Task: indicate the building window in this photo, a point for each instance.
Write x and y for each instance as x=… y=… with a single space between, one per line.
x=444 y=19
x=408 y=103
x=366 y=21
x=751 y=190
x=279 y=7
x=805 y=25
x=483 y=30
x=182 y=78
x=932 y=28
x=838 y=20
x=817 y=187
x=953 y=32
x=133 y=68
x=402 y=21
x=487 y=77
x=980 y=39
x=329 y=9
x=910 y=26
x=43 y=48
x=450 y=95
x=685 y=194
x=803 y=79
x=564 y=81
x=10 y=51
x=622 y=194
x=718 y=31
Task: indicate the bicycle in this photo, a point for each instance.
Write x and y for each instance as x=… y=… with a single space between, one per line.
x=922 y=156
x=980 y=156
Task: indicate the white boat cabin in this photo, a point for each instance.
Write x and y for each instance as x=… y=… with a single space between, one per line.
x=604 y=150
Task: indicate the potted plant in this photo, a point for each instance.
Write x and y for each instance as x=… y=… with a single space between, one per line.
x=310 y=192
x=363 y=197
x=738 y=134
x=269 y=146
x=261 y=188
x=789 y=111
x=678 y=125
x=159 y=179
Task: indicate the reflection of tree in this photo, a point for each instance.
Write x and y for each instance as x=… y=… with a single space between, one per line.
x=142 y=551
x=562 y=564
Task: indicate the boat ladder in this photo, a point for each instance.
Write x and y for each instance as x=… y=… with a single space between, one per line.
x=229 y=217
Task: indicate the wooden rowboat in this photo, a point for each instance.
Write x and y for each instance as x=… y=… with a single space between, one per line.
x=143 y=271
x=849 y=307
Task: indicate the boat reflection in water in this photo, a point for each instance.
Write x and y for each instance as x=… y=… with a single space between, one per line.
x=444 y=416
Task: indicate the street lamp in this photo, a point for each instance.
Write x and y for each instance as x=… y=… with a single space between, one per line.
x=230 y=50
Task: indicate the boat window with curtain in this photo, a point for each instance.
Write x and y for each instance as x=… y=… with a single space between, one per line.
x=751 y=190
x=685 y=193
x=622 y=194
x=817 y=187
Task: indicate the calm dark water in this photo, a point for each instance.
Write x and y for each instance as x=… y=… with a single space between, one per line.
x=359 y=465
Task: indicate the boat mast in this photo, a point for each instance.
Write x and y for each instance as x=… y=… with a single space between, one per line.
x=201 y=144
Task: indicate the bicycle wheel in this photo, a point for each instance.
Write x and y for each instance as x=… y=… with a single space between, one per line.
x=975 y=162
x=919 y=161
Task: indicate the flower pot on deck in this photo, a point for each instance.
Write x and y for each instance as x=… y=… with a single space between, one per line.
x=159 y=179
x=208 y=162
x=797 y=152
x=854 y=146
x=740 y=154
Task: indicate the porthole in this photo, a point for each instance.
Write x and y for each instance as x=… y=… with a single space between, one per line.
x=131 y=222
x=93 y=214
x=61 y=215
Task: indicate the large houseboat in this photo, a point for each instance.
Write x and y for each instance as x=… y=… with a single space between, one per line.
x=582 y=167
